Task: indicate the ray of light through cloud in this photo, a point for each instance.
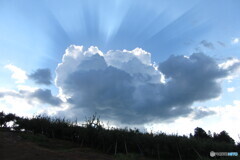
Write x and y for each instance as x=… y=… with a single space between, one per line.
x=155 y=64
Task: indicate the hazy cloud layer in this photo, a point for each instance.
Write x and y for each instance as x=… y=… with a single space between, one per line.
x=200 y=113
x=41 y=76
x=11 y=93
x=221 y=43
x=43 y=96
x=126 y=86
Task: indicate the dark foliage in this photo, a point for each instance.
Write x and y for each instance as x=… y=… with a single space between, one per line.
x=114 y=140
x=200 y=133
x=223 y=137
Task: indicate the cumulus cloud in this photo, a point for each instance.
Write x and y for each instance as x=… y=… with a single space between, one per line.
x=126 y=86
x=41 y=76
x=196 y=78
x=17 y=73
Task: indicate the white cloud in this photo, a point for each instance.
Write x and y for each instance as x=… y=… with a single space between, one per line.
x=17 y=105
x=224 y=119
x=217 y=98
x=229 y=63
x=233 y=65
x=54 y=110
x=17 y=73
x=232 y=89
x=235 y=40
x=26 y=88
x=180 y=126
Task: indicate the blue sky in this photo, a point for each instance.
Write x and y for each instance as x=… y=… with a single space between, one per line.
x=36 y=34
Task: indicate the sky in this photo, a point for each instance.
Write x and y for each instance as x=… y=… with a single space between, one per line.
x=165 y=65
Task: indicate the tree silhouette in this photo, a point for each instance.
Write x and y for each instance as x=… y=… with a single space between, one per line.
x=2 y=119
x=223 y=137
x=200 y=133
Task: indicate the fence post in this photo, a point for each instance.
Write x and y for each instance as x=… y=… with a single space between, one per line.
x=158 y=151
x=126 y=147
x=179 y=153
x=140 y=149
x=116 y=148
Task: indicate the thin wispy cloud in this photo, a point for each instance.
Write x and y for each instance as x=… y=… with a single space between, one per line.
x=17 y=73
x=207 y=44
x=221 y=43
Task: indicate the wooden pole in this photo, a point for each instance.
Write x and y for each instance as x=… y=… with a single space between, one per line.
x=116 y=148
x=179 y=153
x=158 y=151
x=140 y=149
x=126 y=147
x=197 y=153
x=109 y=148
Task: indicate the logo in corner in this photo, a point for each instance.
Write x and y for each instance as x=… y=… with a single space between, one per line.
x=212 y=154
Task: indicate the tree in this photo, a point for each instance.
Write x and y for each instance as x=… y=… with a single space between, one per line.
x=2 y=119
x=223 y=137
x=200 y=133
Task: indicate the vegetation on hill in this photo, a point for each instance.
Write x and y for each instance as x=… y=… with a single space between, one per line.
x=125 y=141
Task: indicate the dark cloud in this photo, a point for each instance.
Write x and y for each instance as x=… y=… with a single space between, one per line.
x=41 y=95
x=192 y=79
x=45 y=96
x=41 y=76
x=128 y=90
x=207 y=44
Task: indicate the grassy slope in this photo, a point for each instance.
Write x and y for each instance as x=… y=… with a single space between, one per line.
x=24 y=146
x=16 y=146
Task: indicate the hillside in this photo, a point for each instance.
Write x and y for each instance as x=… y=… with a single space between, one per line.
x=43 y=137
x=15 y=146
x=26 y=146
